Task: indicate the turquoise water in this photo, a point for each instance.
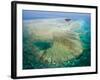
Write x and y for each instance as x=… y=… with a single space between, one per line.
x=42 y=45
x=30 y=60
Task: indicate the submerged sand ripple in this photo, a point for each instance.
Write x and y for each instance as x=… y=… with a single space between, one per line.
x=58 y=39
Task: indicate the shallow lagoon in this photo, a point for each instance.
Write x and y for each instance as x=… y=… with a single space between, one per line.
x=42 y=50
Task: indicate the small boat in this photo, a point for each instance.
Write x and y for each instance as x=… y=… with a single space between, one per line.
x=67 y=20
